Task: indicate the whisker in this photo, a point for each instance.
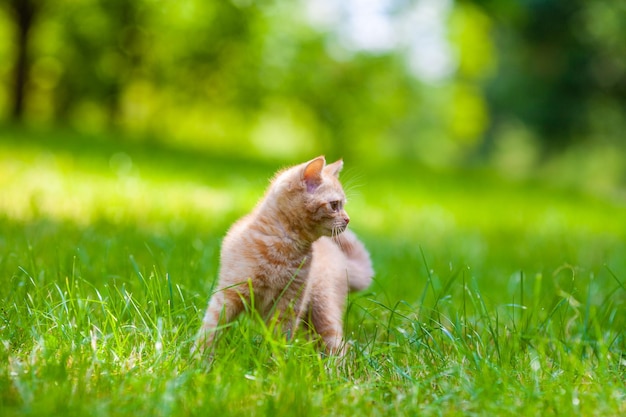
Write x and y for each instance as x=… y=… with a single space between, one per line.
x=352 y=181
x=336 y=232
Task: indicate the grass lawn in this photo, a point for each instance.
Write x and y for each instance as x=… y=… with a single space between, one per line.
x=491 y=297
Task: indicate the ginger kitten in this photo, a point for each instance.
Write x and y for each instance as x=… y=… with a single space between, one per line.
x=294 y=252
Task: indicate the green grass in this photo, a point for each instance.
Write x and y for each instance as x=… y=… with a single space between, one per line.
x=491 y=297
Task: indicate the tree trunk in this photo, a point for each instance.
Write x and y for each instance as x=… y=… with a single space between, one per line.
x=24 y=12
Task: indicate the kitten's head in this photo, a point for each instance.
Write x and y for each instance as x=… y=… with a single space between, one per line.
x=313 y=197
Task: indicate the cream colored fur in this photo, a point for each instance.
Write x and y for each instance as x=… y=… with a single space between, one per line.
x=294 y=252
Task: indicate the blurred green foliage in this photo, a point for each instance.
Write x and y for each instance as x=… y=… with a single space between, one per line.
x=527 y=83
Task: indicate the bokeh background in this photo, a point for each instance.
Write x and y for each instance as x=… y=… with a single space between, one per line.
x=524 y=87
x=485 y=169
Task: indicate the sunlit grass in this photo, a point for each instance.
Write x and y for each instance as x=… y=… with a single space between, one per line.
x=491 y=297
x=61 y=187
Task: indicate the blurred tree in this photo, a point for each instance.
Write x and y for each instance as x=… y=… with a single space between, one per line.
x=555 y=63
x=105 y=43
x=213 y=71
x=24 y=14
x=237 y=75
x=360 y=103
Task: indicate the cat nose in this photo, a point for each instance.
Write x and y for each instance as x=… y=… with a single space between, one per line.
x=346 y=219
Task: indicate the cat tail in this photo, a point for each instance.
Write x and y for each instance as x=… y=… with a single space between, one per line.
x=360 y=271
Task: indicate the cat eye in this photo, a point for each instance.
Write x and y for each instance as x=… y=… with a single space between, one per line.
x=335 y=205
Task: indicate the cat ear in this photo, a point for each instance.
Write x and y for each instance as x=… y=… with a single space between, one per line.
x=312 y=174
x=334 y=168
